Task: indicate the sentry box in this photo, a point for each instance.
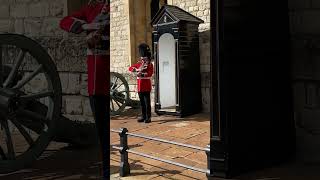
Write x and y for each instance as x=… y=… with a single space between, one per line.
x=177 y=62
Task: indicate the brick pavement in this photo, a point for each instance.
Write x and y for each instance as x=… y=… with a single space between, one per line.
x=60 y=161
x=192 y=130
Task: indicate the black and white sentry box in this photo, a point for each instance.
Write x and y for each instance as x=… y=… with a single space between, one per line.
x=177 y=62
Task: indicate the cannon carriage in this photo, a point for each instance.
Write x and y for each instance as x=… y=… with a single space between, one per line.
x=31 y=100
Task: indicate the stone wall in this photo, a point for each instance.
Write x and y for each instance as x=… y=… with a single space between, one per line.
x=119 y=36
x=201 y=9
x=39 y=20
x=305 y=43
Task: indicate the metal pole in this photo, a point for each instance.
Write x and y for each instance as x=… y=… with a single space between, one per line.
x=165 y=141
x=169 y=142
x=166 y=161
x=124 y=163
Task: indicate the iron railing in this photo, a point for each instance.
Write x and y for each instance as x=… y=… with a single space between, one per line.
x=124 y=150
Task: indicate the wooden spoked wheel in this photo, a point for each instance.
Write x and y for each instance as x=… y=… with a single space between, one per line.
x=119 y=93
x=28 y=77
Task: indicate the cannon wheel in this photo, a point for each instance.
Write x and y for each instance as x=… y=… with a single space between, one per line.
x=24 y=133
x=119 y=93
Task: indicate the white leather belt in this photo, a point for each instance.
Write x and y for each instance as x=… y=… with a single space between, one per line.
x=143 y=77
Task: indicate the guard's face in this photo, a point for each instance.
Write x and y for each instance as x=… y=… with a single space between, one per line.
x=145 y=60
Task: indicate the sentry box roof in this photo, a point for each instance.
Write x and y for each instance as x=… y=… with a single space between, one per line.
x=172 y=14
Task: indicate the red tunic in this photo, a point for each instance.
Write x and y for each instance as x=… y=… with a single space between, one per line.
x=144 y=82
x=98 y=59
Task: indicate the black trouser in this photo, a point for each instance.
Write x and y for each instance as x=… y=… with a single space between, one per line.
x=145 y=104
x=100 y=109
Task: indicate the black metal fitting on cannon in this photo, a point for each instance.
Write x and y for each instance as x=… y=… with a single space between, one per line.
x=124 y=164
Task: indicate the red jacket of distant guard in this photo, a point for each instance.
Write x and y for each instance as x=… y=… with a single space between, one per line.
x=98 y=57
x=144 y=75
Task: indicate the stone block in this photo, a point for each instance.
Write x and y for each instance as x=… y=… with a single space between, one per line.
x=205 y=93
x=4 y=11
x=20 y=1
x=206 y=12
x=298 y=4
x=56 y=8
x=299 y=98
x=70 y=83
x=305 y=22
x=71 y=63
x=205 y=79
x=84 y=85
x=39 y=9
x=32 y=27
x=310 y=118
x=4 y=1
x=74 y=105
x=19 y=10
x=51 y=27
x=73 y=84
x=80 y=118
x=5 y=25
x=19 y=26
x=204 y=68
x=86 y=107
x=64 y=79
x=63 y=105
x=200 y=13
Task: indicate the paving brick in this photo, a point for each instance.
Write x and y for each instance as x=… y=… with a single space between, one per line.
x=151 y=148
x=177 y=152
x=199 y=157
x=192 y=175
x=163 y=127
x=167 y=170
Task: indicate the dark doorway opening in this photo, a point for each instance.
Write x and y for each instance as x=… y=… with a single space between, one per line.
x=252 y=123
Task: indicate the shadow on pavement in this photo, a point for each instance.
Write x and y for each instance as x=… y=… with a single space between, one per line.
x=65 y=163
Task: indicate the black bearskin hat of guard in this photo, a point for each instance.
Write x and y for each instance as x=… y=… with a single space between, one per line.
x=144 y=50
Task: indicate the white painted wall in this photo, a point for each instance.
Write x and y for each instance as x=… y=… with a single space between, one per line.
x=167 y=70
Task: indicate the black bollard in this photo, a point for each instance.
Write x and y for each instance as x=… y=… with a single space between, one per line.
x=124 y=164
x=209 y=165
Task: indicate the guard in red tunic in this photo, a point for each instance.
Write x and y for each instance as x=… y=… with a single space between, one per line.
x=144 y=71
x=94 y=19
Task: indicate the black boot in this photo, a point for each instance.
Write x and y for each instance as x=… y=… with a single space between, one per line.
x=141 y=119
x=148 y=120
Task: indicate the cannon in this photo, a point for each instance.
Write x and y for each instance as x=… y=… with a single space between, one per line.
x=31 y=100
x=120 y=94
x=30 y=105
